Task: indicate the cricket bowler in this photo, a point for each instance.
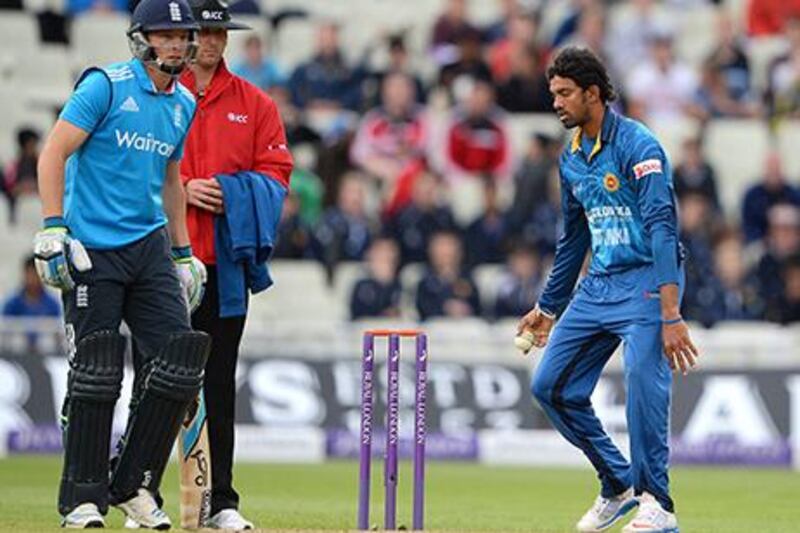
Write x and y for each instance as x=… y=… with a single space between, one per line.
x=617 y=197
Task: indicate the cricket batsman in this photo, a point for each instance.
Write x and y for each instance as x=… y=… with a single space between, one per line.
x=617 y=196
x=236 y=173
x=115 y=243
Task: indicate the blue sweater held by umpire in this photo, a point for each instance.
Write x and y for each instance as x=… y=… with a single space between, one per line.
x=244 y=237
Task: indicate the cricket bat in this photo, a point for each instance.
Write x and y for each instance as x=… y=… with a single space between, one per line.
x=195 y=467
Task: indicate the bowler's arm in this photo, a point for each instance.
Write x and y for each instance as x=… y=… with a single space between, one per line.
x=659 y=215
x=570 y=253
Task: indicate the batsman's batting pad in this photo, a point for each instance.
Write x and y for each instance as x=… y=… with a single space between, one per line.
x=172 y=381
x=93 y=386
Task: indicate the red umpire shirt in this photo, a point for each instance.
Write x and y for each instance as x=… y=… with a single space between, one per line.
x=236 y=128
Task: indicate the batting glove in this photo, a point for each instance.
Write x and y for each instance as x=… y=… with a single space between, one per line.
x=192 y=275
x=55 y=252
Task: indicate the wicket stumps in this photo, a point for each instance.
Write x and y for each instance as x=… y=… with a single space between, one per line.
x=392 y=426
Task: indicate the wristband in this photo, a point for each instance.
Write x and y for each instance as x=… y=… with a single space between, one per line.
x=672 y=322
x=546 y=314
x=181 y=252
x=54 y=222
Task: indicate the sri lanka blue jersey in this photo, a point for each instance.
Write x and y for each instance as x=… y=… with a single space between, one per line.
x=617 y=196
x=113 y=182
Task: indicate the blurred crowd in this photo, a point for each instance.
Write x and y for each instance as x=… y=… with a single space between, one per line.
x=402 y=166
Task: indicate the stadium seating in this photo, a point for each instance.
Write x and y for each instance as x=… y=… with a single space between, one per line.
x=737 y=167
x=98 y=39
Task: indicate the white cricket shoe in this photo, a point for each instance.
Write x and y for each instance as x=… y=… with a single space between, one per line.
x=229 y=519
x=606 y=511
x=84 y=516
x=142 y=511
x=651 y=518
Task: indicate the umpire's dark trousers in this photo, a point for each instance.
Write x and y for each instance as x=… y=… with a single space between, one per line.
x=220 y=390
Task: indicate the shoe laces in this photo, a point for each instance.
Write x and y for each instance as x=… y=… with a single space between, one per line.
x=600 y=506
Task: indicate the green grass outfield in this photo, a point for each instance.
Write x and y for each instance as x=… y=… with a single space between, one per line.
x=460 y=496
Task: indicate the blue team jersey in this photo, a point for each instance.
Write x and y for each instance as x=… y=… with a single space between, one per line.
x=113 y=182
x=617 y=197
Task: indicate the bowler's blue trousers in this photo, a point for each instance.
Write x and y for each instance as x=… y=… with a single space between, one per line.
x=605 y=310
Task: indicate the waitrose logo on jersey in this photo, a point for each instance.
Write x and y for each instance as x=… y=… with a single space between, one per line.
x=146 y=143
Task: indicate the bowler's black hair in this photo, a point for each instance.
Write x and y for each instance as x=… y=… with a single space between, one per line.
x=583 y=67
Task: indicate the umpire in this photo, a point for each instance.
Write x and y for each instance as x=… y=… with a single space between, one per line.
x=115 y=243
x=236 y=172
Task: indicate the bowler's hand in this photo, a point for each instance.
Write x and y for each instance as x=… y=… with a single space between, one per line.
x=679 y=349
x=205 y=194
x=537 y=323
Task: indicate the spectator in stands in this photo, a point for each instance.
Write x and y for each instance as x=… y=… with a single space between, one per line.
x=79 y=7
x=737 y=295
x=782 y=71
x=446 y=289
x=531 y=179
x=662 y=89
x=309 y=189
x=31 y=300
x=399 y=62
x=730 y=59
x=345 y=230
x=540 y=228
x=568 y=26
x=784 y=87
x=519 y=287
x=715 y=98
x=392 y=136
x=521 y=39
x=294 y=236
x=478 y=141
x=789 y=309
x=261 y=71
x=526 y=90
x=413 y=226
x=781 y=243
x=696 y=237
x=294 y=120
x=486 y=237
x=695 y=175
x=591 y=31
x=630 y=37
x=20 y=175
x=326 y=82
x=767 y=17
x=378 y=294
x=469 y=64
x=499 y=29
x=773 y=189
x=448 y=27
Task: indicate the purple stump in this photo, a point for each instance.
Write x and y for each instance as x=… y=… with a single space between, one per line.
x=366 y=431
x=420 y=430
x=392 y=425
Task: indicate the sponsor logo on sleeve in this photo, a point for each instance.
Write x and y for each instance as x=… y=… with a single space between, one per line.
x=648 y=166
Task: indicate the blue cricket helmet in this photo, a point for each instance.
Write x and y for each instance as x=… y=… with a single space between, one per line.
x=161 y=15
